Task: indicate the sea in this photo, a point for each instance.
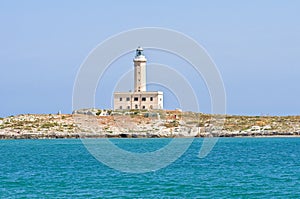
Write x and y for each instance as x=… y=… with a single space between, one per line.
x=234 y=168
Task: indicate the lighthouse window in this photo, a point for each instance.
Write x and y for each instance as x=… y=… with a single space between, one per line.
x=136 y=99
x=143 y=99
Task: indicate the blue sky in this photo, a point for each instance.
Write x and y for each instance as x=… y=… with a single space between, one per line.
x=255 y=45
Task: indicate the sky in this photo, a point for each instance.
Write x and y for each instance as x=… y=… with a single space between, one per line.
x=254 y=44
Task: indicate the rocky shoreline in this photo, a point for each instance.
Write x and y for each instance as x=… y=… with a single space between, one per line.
x=95 y=123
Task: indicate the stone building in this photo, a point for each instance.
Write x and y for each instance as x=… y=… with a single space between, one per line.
x=140 y=98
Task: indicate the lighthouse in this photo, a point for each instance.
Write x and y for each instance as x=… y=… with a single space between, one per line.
x=140 y=98
x=139 y=71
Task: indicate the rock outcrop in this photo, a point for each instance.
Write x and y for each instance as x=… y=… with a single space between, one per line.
x=95 y=123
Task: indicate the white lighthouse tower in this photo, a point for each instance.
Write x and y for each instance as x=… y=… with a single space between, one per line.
x=139 y=71
x=140 y=98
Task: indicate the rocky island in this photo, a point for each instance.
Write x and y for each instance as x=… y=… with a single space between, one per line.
x=96 y=123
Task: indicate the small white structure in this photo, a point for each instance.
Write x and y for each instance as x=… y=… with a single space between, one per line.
x=140 y=98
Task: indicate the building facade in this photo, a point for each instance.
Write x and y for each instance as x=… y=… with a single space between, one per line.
x=140 y=98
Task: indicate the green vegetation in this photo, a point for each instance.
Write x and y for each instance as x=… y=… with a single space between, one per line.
x=174 y=123
x=99 y=112
x=192 y=122
x=27 y=128
x=49 y=125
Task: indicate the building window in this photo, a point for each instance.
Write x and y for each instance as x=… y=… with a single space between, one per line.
x=127 y=99
x=151 y=98
x=144 y=107
x=120 y=98
x=136 y=106
x=120 y=107
x=128 y=107
x=136 y=99
x=143 y=99
x=151 y=107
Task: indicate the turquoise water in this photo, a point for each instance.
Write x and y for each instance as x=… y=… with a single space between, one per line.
x=235 y=168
